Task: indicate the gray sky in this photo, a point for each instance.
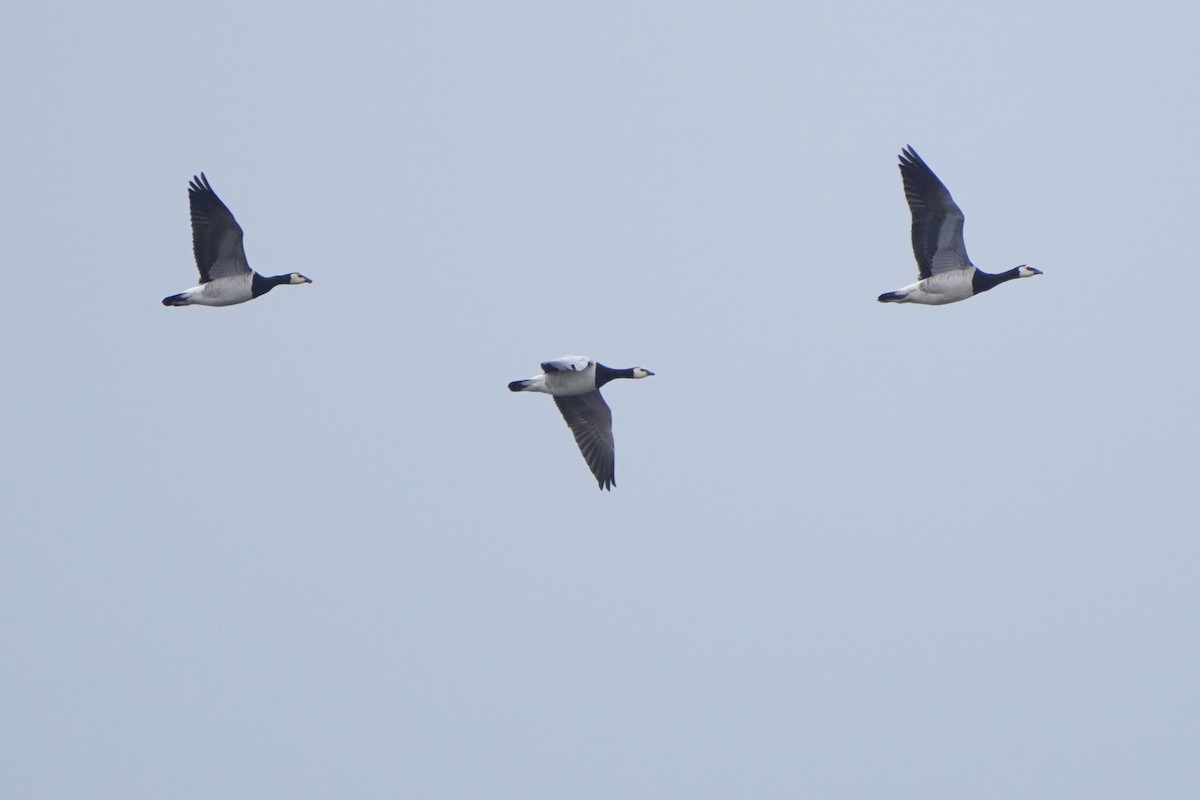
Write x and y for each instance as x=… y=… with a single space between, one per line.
x=312 y=547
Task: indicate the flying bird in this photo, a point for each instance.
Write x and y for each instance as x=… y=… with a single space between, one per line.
x=946 y=274
x=574 y=382
x=225 y=277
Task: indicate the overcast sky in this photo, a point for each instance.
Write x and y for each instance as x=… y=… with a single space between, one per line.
x=311 y=547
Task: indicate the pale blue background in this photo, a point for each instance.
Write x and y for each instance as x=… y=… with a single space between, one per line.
x=311 y=547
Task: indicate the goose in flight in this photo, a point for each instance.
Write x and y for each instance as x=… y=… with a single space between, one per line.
x=946 y=274
x=225 y=277
x=574 y=382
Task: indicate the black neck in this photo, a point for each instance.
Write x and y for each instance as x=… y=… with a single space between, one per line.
x=986 y=280
x=605 y=374
x=261 y=285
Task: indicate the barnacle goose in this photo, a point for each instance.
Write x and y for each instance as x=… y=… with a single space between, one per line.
x=225 y=277
x=946 y=274
x=574 y=382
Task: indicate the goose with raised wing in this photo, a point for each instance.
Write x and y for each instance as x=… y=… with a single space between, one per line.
x=225 y=277
x=946 y=274
x=574 y=382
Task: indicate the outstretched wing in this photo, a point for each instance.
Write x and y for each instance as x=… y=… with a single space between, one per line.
x=567 y=364
x=216 y=236
x=937 y=221
x=591 y=421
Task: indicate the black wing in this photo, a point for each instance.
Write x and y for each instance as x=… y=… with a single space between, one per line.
x=591 y=421
x=937 y=221
x=216 y=236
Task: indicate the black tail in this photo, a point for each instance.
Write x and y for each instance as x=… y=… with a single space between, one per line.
x=891 y=297
x=515 y=386
x=175 y=300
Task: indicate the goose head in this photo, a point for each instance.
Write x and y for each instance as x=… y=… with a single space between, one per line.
x=1025 y=271
x=296 y=279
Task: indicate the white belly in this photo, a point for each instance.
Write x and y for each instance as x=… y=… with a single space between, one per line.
x=948 y=287
x=569 y=382
x=221 y=292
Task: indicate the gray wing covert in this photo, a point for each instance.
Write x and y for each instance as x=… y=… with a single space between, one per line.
x=567 y=364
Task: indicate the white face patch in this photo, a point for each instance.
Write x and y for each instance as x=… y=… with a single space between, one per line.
x=638 y=372
x=1028 y=272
